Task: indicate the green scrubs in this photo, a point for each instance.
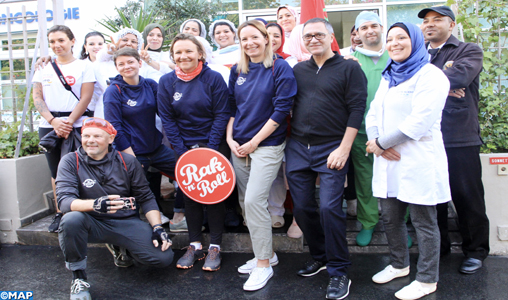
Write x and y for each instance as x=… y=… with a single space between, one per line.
x=367 y=211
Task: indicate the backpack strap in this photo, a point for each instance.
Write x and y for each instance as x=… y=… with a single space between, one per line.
x=118 y=91
x=77 y=159
x=124 y=165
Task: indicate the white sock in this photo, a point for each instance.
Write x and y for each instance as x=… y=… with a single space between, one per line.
x=197 y=245
x=214 y=245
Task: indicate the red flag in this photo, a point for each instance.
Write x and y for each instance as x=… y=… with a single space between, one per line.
x=315 y=9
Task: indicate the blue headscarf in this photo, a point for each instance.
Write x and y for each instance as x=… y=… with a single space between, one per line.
x=396 y=73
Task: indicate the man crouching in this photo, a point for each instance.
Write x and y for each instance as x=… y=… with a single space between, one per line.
x=89 y=187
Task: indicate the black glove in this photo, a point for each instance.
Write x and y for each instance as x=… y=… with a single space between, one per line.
x=102 y=205
x=160 y=235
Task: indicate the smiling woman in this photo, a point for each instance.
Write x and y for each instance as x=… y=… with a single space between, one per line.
x=223 y=34
x=404 y=130
x=194 y=110
x=261 y=95
x=60 y=109
x=154 y=36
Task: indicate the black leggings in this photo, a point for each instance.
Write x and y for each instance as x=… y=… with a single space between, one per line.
x=53 y=158
x=194 y=216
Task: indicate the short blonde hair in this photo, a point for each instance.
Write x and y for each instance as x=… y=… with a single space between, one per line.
x=243 y=64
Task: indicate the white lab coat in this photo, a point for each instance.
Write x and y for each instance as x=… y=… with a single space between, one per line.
x=414 y=107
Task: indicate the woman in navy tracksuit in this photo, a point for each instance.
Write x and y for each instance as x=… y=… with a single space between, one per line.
x=130 y=105
x=194 y=109
x=262 y=88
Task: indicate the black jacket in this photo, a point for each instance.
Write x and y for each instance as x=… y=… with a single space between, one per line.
x=463 y=63
x=328 y=100
x=109 y=176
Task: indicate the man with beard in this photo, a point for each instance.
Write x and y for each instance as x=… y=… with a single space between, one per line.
x=462 y=64
x=373 y=58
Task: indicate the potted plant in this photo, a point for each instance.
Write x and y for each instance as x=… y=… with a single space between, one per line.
x=23 y=181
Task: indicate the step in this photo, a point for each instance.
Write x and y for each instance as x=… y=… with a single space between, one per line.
x=238 y=239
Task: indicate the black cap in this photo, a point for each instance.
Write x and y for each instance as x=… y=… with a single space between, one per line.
x=442 y=10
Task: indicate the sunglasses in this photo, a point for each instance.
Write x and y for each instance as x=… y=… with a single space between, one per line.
x=99 y=123
x=96 y=121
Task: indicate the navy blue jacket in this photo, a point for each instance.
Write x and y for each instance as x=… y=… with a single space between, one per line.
x=462 y=63
x=260 y=95
x=131 y=109
x=194 y=112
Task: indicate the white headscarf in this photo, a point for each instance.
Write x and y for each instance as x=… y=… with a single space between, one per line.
x=211 y=30
x=120 y=34
x=202 y=32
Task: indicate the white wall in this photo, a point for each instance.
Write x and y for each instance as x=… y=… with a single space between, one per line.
x=88 y=12
x=496 y=201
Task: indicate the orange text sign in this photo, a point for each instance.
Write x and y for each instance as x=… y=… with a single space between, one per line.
x=205 y=175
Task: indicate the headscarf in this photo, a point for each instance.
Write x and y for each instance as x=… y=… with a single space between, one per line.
x=151 y=27
x=261 y=20
x=396 y=73
x=202 y=31
x=207 y=47
x=292 y=10
x=279 y=51
x=296 y=46
x=120 y=34
x=211 y=29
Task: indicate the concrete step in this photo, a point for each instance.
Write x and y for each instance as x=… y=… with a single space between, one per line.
x=238 y=239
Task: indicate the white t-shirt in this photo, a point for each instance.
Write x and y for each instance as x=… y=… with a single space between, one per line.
x=55 y=95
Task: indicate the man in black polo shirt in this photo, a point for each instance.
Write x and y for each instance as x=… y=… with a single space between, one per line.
x=462 y=64
x=328 y=111
x=89 y=184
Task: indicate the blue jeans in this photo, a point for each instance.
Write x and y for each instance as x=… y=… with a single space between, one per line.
x=323 y=225
x=163 y=159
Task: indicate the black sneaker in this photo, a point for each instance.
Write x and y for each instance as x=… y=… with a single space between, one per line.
x=122 y=259
x=312 y=269
x=189 y=258
x=56 y=223
x=338 y=288
x=213 y=259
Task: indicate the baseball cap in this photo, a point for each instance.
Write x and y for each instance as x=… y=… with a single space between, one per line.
x=442 y=10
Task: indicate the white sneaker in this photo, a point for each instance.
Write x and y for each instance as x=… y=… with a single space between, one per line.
x=416 y=290
x=258 y=278
x=351 y=207
x=164 y=219
x=390 y=273
x=251 y=264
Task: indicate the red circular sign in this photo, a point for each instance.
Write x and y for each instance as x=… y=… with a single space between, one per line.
x=205 y=175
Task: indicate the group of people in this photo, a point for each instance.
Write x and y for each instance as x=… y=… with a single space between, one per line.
x=400 y=112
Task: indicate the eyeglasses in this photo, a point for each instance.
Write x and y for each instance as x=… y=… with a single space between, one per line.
x=319 y=36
